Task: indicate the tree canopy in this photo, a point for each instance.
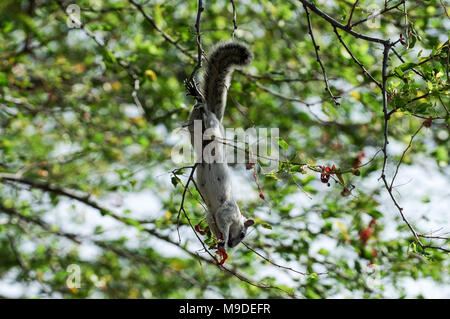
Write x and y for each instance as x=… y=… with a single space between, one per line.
x=93 y=95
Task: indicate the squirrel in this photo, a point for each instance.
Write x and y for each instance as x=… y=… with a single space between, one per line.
x=224 y=217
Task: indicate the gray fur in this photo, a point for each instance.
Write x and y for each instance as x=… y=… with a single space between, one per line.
x=220 y=64
x=213 y=177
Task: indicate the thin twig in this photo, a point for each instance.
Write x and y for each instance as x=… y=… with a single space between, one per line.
x=234 y=19
x=444 y=8
x=403 y=154
x=387 y=9
x=351 y=14
x=403 y=61
x=385 y=109
x=199 y=41
x=183 y=198
x=316 y=49
x=355 y=59
x=406 y=25
x=167 y=37
x=273 y=263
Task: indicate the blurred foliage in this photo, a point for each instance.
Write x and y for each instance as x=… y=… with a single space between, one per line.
x=76 y=145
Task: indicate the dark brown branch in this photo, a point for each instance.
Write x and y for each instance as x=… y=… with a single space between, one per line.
x=234 y=19
x=387 y=48
x=199 y=40
x=385 y=103
x=335 y=23
x=190 y=84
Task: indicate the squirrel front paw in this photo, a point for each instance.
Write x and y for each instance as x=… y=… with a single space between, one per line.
x=221 y=240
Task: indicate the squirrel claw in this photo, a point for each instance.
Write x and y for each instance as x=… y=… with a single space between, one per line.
x=199 y=230
x=221 y=242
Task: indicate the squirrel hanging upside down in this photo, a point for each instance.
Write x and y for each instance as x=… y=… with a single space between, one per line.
x=213 y=178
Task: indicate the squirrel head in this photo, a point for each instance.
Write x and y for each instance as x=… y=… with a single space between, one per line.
x=238 y=231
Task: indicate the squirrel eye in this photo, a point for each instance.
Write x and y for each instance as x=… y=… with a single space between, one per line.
x=242 y=235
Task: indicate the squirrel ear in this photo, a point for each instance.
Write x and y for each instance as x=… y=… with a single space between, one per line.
x=249 y=222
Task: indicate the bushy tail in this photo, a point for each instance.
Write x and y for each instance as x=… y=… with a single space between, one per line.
x=220 y=64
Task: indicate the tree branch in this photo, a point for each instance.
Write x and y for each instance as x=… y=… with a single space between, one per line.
x=335 y=23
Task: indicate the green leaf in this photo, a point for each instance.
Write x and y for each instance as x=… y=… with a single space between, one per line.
x=133 y=222
x=406 y=66
x=109 y=56
x=175 y=180
x=441 y=154
x=3 y=79
x=8 y=203
x=283 y=144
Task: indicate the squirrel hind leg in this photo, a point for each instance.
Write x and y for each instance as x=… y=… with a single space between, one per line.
x=224 y=229
x=212 y=225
